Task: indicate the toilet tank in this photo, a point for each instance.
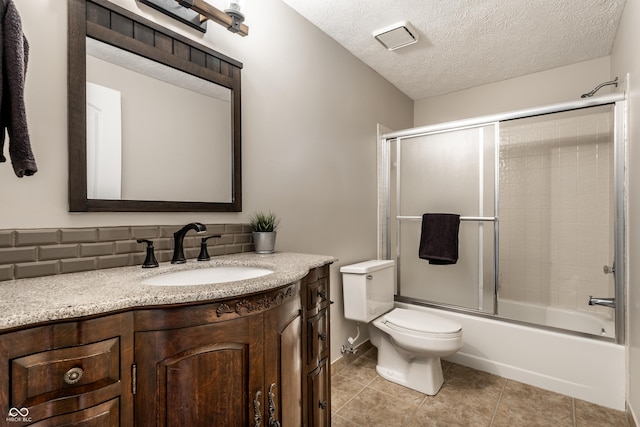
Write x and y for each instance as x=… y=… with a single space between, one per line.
x=367 y=289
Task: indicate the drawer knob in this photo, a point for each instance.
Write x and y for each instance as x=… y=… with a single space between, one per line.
x=323 y=404
x=73 y=375
x=322 y=336
x=322 y=293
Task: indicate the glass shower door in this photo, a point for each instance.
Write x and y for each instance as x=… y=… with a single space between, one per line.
x=447 y=172
x=557 y=210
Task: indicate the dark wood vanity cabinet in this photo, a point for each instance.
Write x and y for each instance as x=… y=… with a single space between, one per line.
x=315 y=342
x=71 y=373
x=255 y=360
x=232 y=363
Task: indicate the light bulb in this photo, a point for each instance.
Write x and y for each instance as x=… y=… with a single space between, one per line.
x=234 y=6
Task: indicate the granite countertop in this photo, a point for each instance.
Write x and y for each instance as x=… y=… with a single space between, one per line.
x=66 y=296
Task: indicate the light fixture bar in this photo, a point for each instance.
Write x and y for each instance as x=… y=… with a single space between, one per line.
x=195 y=13
x=216 y=15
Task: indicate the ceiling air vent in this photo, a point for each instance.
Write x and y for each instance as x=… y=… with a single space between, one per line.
x=396 y=36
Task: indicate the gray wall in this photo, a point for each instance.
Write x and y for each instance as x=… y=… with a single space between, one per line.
x=309 y=117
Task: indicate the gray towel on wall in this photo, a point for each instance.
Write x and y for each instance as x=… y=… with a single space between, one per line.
x=14 y=54
x=439 y=238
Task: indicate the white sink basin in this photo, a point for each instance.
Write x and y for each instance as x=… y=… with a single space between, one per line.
x=206 y=276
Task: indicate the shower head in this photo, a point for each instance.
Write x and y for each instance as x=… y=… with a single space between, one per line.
x=597 y=88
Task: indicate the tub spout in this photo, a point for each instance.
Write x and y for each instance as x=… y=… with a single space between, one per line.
x=607 y=302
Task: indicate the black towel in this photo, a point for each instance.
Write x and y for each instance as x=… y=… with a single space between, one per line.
x=439 y=238
x=14 y=54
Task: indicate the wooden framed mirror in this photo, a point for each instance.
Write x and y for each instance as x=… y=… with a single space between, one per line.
x=154 y=117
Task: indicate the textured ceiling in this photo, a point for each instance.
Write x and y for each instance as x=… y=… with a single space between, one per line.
x=466 y=43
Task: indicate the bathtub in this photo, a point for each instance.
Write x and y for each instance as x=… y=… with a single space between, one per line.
x=578 y=366
x=579 y=321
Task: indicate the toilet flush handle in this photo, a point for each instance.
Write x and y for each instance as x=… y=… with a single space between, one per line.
x=369 y=277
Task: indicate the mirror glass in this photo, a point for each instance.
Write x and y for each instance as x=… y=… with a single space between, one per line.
x=154 y=132
x=154 y=117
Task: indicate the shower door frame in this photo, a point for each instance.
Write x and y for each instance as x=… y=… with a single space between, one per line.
x=617 y=100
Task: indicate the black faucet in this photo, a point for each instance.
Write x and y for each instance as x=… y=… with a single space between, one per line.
x=178 y=240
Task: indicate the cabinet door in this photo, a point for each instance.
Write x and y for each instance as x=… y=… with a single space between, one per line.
x=204 y=375
x=283 y=367
x=319 y=411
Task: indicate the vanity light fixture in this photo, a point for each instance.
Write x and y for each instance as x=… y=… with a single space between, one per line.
x=196 y=13
x=396 y=36
x=235 y=12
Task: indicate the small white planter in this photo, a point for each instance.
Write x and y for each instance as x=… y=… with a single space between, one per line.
x=264 y=241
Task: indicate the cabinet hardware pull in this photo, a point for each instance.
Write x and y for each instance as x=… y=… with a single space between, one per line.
x=322 y=293
x=134 y=378
x=323 y=404
x=73 y=375
x=322 y=336
x=272 y=408
x=257 y=417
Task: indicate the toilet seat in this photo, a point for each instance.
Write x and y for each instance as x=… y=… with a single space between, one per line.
x=421 y=323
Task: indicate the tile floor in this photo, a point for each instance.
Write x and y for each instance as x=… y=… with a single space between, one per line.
x=468 y=398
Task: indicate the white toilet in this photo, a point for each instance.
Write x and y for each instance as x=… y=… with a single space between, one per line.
x=410 y=343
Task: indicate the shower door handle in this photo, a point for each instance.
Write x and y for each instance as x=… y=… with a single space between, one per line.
x=609 y=270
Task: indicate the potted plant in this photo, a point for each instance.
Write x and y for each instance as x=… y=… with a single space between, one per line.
x=264 y=226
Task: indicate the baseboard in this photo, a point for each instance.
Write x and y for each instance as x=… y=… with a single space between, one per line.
x=631 y=417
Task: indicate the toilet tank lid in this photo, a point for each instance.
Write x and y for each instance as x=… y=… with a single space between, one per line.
x=367 y=266
x=421 y=321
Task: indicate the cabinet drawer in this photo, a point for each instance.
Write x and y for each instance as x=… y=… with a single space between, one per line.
x=317 y=338
x=106 y=414
x=318 y=389
x=64 y=372
x=317 y=294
